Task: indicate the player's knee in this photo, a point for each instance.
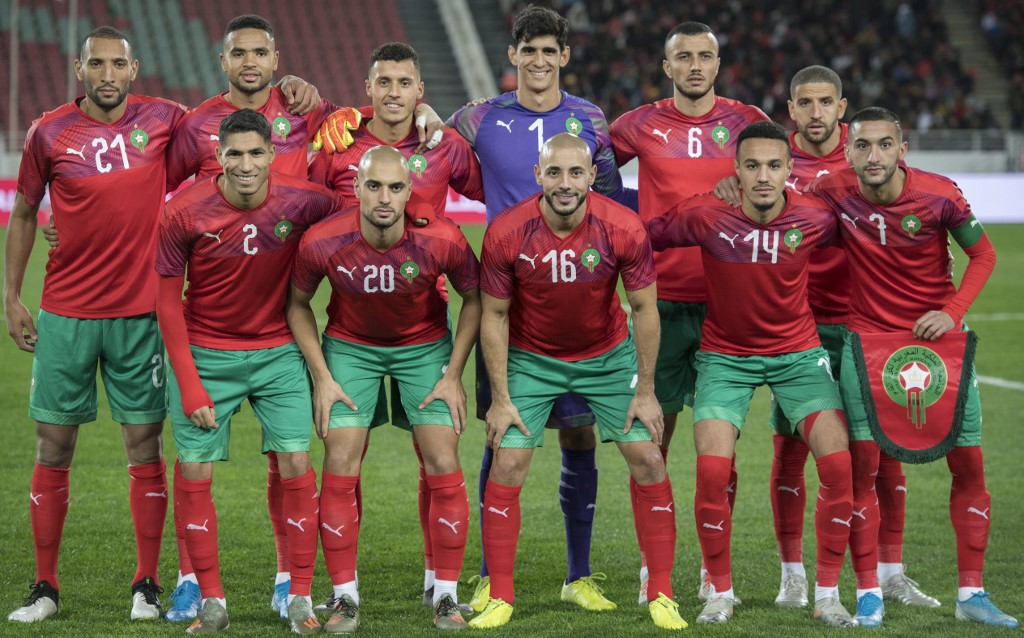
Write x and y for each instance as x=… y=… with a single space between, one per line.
x=143 y=444
x=444 y=462
x=578 y=438
x=645 y=461
x=509 y=467
x=292 y=464
x=825 y=432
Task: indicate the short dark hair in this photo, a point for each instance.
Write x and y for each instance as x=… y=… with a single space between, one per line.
x=763 y=130
x=877 y=114
x=814 y=75
x=537 y=21
x=104 y=33
x=689 y=28
x=248 y=21
x=395 y=52
x=244 y=121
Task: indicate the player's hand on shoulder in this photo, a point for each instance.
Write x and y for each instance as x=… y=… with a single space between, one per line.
x=477 y=102
x=325 y=394
x=451 y=391
x=728 y=190
x=500 y=417
x=302 y=96
x=644 y=407
x=429 y=127
x=933 y=324
x=50 y=234
x=335 y=134
x=204 y=418
x=20 y=326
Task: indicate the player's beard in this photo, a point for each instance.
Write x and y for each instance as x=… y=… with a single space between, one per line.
x=107 y=104
x=694 y=93
x=565 y=211
x=250 y=89
x=382 y=224
x=818 y=139
x=876 y=180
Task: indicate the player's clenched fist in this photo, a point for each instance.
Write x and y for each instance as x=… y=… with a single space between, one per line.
x=334 y=135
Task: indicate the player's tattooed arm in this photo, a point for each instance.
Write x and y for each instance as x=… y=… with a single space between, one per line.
x=326 y=391
x=647 y=335
x=449 y=387
x=494 y=340
x=302 y=96
x=21 y=231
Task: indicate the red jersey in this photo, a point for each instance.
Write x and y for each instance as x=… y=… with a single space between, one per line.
x=756 y=273
x=563 y=298
x=451 y=163
x=385 y=298
x=899 y=252
x=238 y=261
x=680 y=157
x=193 y=151
x=107 y=183
x=828 y=284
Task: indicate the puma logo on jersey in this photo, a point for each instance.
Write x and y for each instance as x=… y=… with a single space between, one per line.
x=508 y=127
x=975 y=510
x=793 y=183
x=532 y=260
x=658 y=508
x=217 y=236
x=198 y=527
x=786 y=488
x=842 y=522
x=336 y=532
x=503 y=512
x=731 y=240
x=718 y=527
x=347 y=272
x=847 y=218
x=353 y=167
x=214 y=138
x=157 y=494
x=663 y=136
x=35 y=498
x=450 y=524
x=297 y=523
x=72 y=151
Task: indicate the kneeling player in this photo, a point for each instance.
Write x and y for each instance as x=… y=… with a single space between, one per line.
x=386 y=317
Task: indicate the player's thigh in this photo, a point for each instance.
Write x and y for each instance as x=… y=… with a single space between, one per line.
x=132 y=367
x=417 y=369
x=534 y=383
x=831 y=337
x=676 y=375
x=359 y=370
x=725 y=386
x=281 y=397
x=224 y=377
x=608 y=383
x=63 y=389
x=802 y=384
x=850 y=392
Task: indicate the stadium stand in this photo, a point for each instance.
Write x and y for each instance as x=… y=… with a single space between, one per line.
x=1002 y=23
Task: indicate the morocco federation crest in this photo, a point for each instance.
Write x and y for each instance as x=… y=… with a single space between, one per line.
x=914 y=392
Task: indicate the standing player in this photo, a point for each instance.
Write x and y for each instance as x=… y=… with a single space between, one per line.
x=896 y=222
x=394 y=86
x=685 y=145
x=103 y=159
x=386 y=317
x=753 y=253
x=541 y=341
x=236 y=235
x=507 y=132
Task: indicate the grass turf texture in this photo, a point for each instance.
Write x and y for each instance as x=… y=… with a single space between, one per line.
x=97 y=555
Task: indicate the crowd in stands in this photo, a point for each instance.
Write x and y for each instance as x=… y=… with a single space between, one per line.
x=892 y=53
x=1002 y=23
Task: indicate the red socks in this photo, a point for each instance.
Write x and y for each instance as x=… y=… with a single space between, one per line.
x=864 y=520
x=301 y=508
x=891 y=487
x=969 y=509
x=449 y=522
x=633 y=504
x=194 y=502
x=184 y=563
x=147 y=496
x=501 y=520
x=423 y=501
x=48 y=507
x=714 y=517
x=789 y=496
x=655 y=520
x=275 y=505
x=339 y=526
x=833 y=515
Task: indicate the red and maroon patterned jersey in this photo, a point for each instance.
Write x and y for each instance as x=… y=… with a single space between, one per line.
x=756 y=273
x=680 y=157
x=193 y=151
x=385 y=298
x=237 y=261
x=451 y=163
x=828 y=284
x=107 y=185
x=564 y=303
x=899 y=252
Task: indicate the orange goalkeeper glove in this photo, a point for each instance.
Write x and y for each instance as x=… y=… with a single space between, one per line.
x=335 y=134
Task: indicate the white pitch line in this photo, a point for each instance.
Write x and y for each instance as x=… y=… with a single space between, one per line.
x=1001 y=383
x=994 y=316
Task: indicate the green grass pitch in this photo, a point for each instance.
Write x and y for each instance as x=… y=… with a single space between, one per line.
x=97 y=556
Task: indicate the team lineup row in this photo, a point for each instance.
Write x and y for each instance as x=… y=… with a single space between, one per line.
x=367 y=214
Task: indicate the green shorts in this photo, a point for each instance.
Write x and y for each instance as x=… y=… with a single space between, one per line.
x=359 y=369
x=675 y=377
x=799 y=380
x=607 y=382
x=831 y=336
x=857 y=418
x=277 y=384
x=130 y=354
